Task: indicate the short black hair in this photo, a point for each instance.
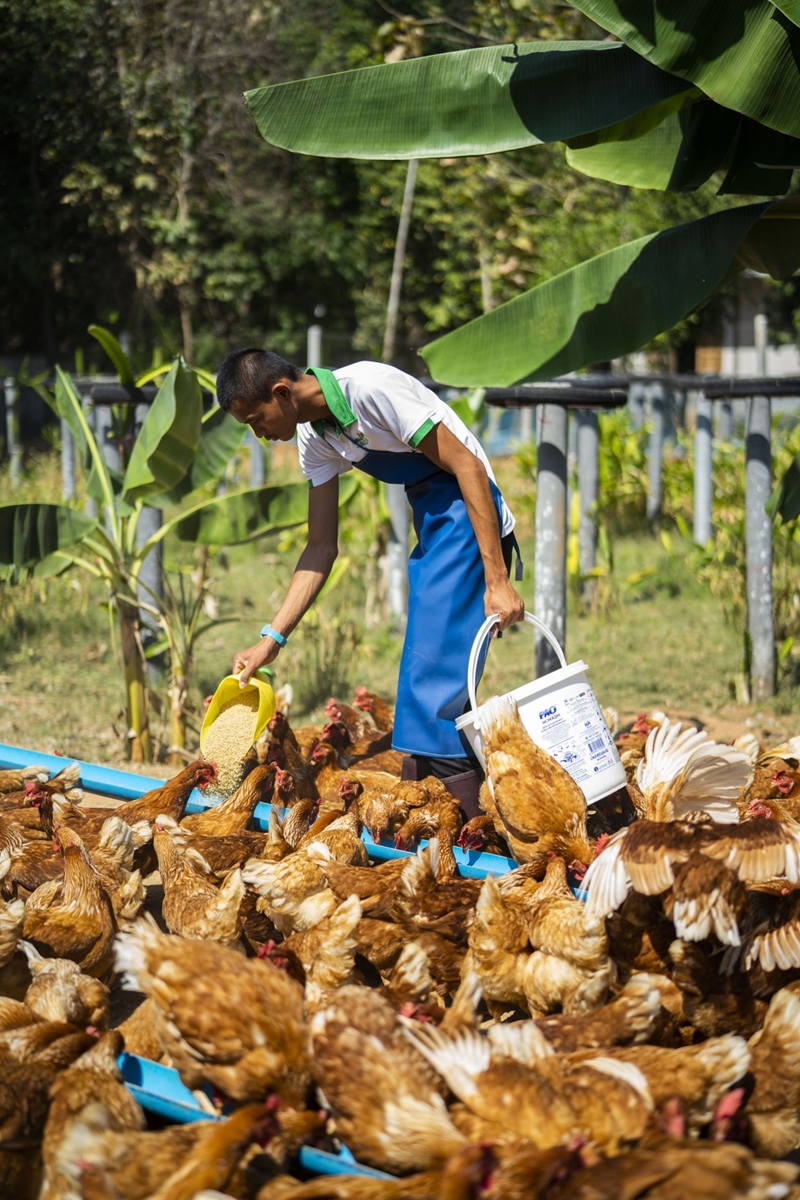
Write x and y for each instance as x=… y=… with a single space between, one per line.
x=248 y=376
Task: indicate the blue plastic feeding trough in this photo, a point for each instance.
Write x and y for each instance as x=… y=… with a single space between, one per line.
x=124 y=785
x=159 y=1090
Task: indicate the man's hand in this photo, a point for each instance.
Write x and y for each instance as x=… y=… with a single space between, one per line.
x=248 y=661
x=502 y=598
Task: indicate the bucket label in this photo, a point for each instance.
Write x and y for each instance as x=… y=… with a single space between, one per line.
x=573 y=730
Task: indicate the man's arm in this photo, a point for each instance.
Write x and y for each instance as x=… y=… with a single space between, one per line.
x=443 y=447
x=313 y=568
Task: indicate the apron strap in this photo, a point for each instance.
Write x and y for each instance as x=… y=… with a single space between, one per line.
x=520 y=567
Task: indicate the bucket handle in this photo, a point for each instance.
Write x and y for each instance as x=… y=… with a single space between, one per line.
x=480 y=638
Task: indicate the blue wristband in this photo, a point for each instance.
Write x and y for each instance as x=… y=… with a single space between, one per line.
x=268 y=631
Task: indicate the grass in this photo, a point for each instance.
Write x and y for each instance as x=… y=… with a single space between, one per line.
x=663 y=642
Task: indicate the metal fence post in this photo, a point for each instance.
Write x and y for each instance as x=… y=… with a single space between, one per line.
x=655 y=451
x=397 y=553
x=724 y=421
x=702 y=471
x=314 y=346
x=550 y=564
x=588 y=486
x=151 y=578
x=758 y=538
x=257 y=468
x=636 y=393
x=758 y=530
x=13 y=444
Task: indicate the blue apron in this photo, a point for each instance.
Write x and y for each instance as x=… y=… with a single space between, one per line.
x=445 y=604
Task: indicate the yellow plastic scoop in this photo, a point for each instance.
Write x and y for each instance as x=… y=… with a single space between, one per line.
x=254 y=707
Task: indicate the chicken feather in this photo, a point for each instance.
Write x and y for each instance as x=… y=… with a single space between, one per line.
x=683 y=771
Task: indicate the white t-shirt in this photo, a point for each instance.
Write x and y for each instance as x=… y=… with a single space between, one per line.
x=387 y=410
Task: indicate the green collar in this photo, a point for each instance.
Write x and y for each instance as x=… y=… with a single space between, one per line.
x=335 y=399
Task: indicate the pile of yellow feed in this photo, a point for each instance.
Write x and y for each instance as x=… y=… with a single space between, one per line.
x=230 y=737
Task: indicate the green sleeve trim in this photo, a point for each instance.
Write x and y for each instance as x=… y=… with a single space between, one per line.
x=423 y=430
x=311 y=483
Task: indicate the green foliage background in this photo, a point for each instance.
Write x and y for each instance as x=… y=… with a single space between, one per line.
x=138 y=193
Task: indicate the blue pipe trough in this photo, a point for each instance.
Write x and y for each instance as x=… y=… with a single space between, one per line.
x=159 y=1089
x=125 y=785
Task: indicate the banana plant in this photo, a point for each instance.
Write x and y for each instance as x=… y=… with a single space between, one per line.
x=186 y=611
x=177 y=453
x=689 y=91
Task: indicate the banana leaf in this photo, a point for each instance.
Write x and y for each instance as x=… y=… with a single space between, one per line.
x=742 y=53
x=242 y=517
x=221 y=436
x=30 y=533
x=115 y=352
x=688 y=146
x=103 y=484
x=785 y=499
x=246 y=516
x=165 y=449
x=613 y=304
x=466 y=102
x=789 y=8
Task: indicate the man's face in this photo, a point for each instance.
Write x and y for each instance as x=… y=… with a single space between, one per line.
x=273 y=418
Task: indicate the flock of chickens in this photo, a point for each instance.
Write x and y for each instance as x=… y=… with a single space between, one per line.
x=498 y=1037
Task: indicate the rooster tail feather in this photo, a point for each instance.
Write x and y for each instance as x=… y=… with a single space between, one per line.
x=344 y=920
x=260 y=875
x=142 y=833
x=419 y=873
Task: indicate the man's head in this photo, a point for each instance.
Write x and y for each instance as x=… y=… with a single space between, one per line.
x=255 y=387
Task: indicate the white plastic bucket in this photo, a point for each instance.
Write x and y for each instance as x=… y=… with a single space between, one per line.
x=562 y=716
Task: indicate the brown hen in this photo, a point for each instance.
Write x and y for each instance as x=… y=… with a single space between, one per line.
x=234 y=814
x=233 y=1021
x=73 y=917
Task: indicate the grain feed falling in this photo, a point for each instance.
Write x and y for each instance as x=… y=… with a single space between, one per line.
x=229 y=739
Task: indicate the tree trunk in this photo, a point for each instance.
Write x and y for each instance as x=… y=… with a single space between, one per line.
x=178 y=692
x=139 y=749
x=393 y=307
x=187 y=333
x=375 y=605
